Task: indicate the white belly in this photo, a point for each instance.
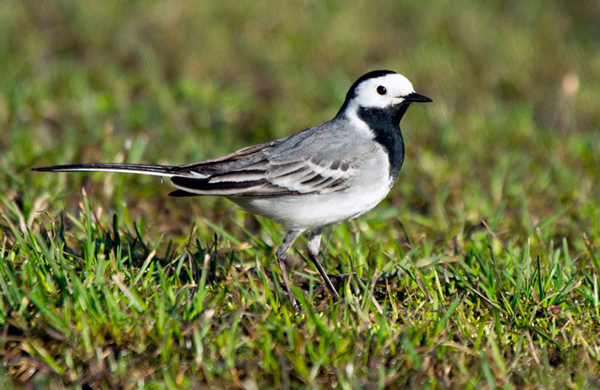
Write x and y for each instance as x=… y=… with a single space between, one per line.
x=306 y=212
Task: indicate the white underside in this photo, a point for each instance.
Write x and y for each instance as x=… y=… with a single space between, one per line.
x=312 y=211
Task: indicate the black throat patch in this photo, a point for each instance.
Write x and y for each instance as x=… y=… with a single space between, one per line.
x=385 y=123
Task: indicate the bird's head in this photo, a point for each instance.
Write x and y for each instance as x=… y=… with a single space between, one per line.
x=382 y=89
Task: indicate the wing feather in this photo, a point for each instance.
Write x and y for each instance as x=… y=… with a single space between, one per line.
x=271 y=169
x=300 y=177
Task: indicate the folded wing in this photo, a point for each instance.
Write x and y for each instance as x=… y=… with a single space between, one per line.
x=265 y=177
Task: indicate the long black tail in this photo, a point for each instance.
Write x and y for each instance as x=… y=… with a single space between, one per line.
x=141 y=169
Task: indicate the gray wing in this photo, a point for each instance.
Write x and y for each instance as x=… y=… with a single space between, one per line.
x=309 y=162
x=322 y=159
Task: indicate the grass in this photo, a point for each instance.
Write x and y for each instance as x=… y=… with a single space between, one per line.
x=480 y=270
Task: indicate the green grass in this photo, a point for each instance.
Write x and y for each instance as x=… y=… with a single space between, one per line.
x=480 y=269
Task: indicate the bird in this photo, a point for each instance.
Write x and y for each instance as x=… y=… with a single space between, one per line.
x=321 y=176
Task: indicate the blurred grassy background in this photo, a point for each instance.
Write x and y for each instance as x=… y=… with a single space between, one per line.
x=512 y=138
x=516 y=90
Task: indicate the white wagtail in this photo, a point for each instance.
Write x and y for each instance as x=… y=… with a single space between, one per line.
x=321 y=176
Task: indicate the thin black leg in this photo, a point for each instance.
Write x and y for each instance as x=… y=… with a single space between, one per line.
x=282 y=253
x=313 y=254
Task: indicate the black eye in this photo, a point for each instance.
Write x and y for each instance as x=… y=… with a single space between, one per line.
x=381 y=90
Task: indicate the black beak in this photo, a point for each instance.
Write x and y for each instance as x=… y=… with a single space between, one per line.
x=416 y=98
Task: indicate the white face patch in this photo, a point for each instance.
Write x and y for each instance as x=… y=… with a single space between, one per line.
x=381 y=92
